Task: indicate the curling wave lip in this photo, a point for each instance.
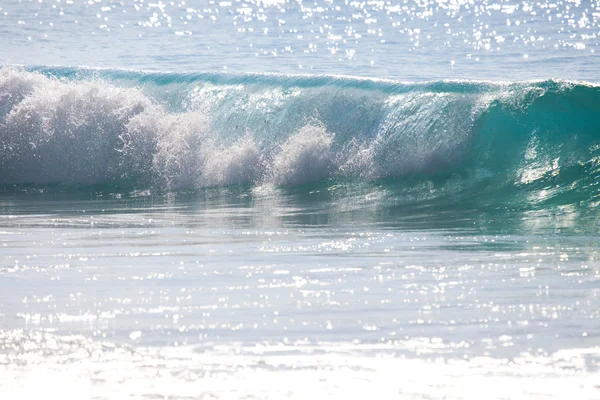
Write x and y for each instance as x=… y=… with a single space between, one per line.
x=535 y=140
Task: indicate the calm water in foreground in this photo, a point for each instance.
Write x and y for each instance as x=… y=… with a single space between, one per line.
x=241 y=294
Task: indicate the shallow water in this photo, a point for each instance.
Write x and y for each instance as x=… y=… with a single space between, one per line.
x=242 y=293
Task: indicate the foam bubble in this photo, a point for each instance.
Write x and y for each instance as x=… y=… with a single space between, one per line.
x=179 y=156
x=304 y=157
x=239 y=163
x=255 y=131
x=64 y=132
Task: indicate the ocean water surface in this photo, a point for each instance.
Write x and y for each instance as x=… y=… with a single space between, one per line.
x=277 y=199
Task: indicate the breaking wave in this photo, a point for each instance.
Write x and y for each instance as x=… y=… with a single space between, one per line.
x=73 y=126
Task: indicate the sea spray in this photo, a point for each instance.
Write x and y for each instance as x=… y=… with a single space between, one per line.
x=539 y=141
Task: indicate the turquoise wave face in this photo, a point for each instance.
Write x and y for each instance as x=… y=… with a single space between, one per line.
x=527 y=144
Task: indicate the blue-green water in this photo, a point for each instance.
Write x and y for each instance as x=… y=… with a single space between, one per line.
x=389 y=200
x=293 y=293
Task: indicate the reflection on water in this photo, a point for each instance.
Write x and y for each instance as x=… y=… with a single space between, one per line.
x=242 y=286
x=375 y=205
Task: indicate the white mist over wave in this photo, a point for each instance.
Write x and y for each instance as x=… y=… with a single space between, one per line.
x=304 y=157
x=55 y=131
x=202 y=134
x=239 y=163
x=86 y=132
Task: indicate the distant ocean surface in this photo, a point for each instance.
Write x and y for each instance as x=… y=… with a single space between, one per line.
x=292 y=200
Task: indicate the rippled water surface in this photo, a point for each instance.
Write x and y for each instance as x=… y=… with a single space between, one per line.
x=245 y=294
x=405 y=39
x=239 y=221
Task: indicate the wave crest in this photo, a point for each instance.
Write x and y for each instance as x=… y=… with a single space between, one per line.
x=217 y=130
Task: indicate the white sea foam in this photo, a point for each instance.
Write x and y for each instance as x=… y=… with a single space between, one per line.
x=179 y=157
x=238 y=163
x=304 y=157
x=88 y=131
x=91 y=131
x=65 y=132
